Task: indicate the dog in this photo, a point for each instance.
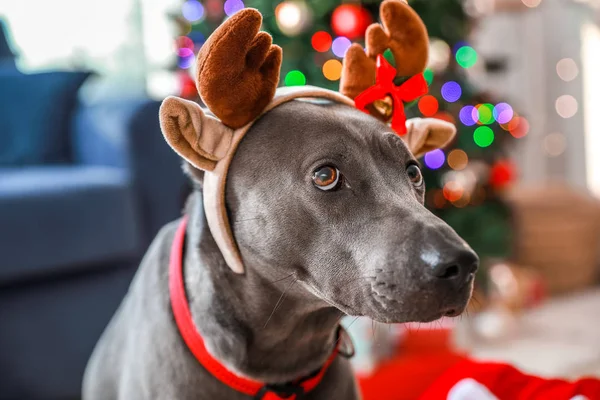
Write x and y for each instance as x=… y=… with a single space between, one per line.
x=304 y=210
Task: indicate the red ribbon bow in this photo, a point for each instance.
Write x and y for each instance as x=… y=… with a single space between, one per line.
x=410 y=90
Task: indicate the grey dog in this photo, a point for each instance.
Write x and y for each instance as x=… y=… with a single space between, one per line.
x=368 y=248
x=305 y=209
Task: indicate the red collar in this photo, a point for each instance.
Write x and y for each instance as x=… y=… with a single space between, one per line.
x=187 y=329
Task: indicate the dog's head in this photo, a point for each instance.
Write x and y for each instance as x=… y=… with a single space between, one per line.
x=299 y=182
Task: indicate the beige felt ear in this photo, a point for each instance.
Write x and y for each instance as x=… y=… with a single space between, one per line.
x=200 y=139
x=427 y=134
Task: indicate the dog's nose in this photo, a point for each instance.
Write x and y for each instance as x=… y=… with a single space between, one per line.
x=457 y=266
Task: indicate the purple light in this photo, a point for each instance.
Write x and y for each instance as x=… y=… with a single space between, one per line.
x=435 y=159
x=185 y=52
x=192 y=10
x=340 y=45
x=468 y=115
x=451 y=91
x=503 y=113
x=233 y=6
x=186 y=62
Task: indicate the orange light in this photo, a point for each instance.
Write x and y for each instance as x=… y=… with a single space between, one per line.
x=332 y=70
x=518 y=127
x=453 y=191
x=428 y=105
x=458 y=159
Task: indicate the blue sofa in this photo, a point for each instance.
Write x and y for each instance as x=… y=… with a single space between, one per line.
x=72 y=234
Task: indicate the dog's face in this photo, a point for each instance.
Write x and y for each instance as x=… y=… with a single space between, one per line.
x=334 y=197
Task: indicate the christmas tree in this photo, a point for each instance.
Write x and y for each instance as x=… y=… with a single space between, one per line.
x=464 y=180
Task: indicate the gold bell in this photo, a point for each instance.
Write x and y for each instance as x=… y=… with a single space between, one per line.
x=385 y=107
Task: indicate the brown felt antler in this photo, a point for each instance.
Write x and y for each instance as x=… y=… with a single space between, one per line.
x=238 y=69
x=403 y=32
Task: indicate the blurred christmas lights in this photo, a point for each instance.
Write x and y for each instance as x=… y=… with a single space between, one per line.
x=340 y=45
x=439 y=55
x=567 y=69
x=566 y=106
x=295 y=78
x=468 y=115
x=332 y=70
x=483 y=136
x=518 y=127
x=321 y=41
x=232 y=6
x=292 y=17
x=503 y=113
x=451 y=91
x=192 y=10
x=458 y=159
x=466 y=56
x=350 y=20
x=428 y=105
x=184 y=42
x=485 y=113
x=453 y=191
x=428 y=75
x=434 y=159
x=555 y=144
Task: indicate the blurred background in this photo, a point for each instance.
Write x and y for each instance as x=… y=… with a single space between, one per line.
x=86 y=179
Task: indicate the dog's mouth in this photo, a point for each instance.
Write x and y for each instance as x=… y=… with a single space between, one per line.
x=423 y=306
x=432 y=306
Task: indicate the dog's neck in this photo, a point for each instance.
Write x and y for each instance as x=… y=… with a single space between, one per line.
x=271 y=330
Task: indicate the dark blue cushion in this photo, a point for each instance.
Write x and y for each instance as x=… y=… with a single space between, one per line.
x=35 y=113
x=60 y=218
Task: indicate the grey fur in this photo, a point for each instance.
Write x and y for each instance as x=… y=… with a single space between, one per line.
x=368 y=249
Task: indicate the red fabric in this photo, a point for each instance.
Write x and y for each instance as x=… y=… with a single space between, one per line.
x=422 y=358
x=187 y=329
x=384 y=86
x=507 y=383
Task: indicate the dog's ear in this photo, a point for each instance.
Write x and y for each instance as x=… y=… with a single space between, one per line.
x=427 y=134
x=200 y=139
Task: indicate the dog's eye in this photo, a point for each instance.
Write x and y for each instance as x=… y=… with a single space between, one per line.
x=414 y=174
x=327 y=178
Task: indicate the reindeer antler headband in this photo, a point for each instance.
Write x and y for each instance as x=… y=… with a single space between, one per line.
x=237 y=77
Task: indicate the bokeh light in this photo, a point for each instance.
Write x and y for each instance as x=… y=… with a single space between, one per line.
x=532 y=3
x=186 y=58
x=486 y=113
x=295 y=78
x=428 y=105
x=566 y=106
x=434 y=159
x=567 y=69
x=483 y=136
x=468 y=115
x=340 y=45
x=185 y=52
x=192 y=10
x=451 y=91
x=466 y=56
x=518 y=127
x=439 y=55
x=184 y=42
x=350 y=20
x=503 y=113
x=428 y=75
x=458 y=159
x=555 y=144
x=453 y=191
x=232 y=6
x=321 y=41
x=332 y=70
